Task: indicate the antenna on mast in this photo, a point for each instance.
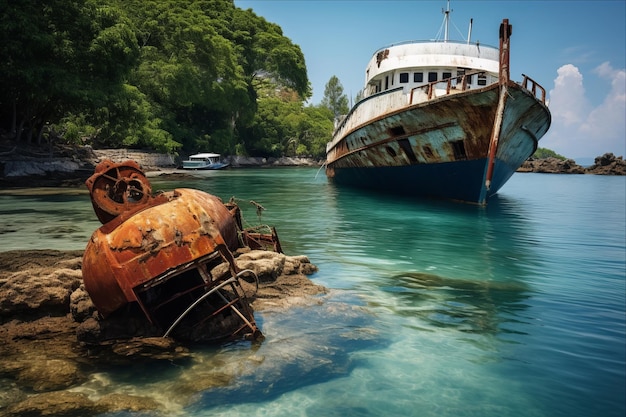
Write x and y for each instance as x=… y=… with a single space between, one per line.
x=469 y=32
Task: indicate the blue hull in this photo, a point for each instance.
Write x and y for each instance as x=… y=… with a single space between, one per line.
x=462 y=180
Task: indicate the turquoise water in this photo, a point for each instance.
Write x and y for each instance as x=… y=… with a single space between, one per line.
x=435 y=308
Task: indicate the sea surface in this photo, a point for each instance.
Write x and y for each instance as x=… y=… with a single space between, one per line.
x=434 y=308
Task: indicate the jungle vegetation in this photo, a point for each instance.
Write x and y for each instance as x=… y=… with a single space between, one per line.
x=168 y=75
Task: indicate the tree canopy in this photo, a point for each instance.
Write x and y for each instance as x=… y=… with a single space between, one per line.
x=160 y=74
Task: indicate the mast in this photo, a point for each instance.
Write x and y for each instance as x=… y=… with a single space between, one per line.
x=469 y=32
x=446 y=21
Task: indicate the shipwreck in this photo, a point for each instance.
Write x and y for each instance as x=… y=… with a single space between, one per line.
x=166 y=253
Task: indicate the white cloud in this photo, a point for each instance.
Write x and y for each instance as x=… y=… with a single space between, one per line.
x=579 y=129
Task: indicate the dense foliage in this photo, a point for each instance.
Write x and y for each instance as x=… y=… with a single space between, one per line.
x=168 y=75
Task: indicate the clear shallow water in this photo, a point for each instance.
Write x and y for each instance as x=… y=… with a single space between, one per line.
x=436 y=309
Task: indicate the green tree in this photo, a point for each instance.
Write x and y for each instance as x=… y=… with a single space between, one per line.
x=334 y=98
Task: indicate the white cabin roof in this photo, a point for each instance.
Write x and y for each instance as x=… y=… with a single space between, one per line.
x=430 y=54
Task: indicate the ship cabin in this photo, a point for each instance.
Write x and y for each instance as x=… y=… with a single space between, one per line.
x=428 y=69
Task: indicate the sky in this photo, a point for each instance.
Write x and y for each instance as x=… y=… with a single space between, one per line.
x=575 y=49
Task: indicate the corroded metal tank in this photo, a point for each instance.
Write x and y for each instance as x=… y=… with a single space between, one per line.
x=159 y=250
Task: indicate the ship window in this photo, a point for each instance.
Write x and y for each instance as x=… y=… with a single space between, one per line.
x=458 y=147
x=482 y=79
x=397 y=130
x=404 y=77
x=446 y=75
x=418 y=77
x=386 y=82
x=405 y=145
x=391 y=152
x=461 y=72
x=432 y=76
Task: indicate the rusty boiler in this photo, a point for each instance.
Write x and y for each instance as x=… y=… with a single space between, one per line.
x=161 y=252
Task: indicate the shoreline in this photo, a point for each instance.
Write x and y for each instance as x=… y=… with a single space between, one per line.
x=71 y=166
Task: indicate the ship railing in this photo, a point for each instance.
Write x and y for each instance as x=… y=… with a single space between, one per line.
x=369 y=108
x=452 y=85
x=535 y=88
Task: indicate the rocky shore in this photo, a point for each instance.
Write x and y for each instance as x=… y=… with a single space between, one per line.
x=607 y=164
x=45 y=312
x=71 y=166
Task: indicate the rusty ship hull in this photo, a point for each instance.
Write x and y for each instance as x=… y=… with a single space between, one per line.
x=441 y=148
x=439 y=119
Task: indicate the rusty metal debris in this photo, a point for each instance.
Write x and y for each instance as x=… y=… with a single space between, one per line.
x=166 y=252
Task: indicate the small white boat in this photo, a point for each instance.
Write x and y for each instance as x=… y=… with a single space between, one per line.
x=204 y=161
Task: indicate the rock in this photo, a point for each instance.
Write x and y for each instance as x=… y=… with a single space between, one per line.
x=608 y=164
x=120 y=402
x=35 y=286
x=56 y=403
x=42 y=373
x=551 y=166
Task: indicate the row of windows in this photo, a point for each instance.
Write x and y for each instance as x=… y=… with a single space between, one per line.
x=431 y=76
x=418 y=77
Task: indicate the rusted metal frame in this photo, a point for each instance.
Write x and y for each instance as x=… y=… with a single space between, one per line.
x=179 y=270
x=195 y=303
x=226 y=256
x=198 y=264
x=250 y=324
x=219 y=310
x=233 y=280
x=534 y=86
x=257 y=240
x=504 y=75
x=495 y=135
x=231 y=304
x=180 y=294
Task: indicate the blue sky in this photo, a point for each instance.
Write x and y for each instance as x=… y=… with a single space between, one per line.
x=575 y=49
